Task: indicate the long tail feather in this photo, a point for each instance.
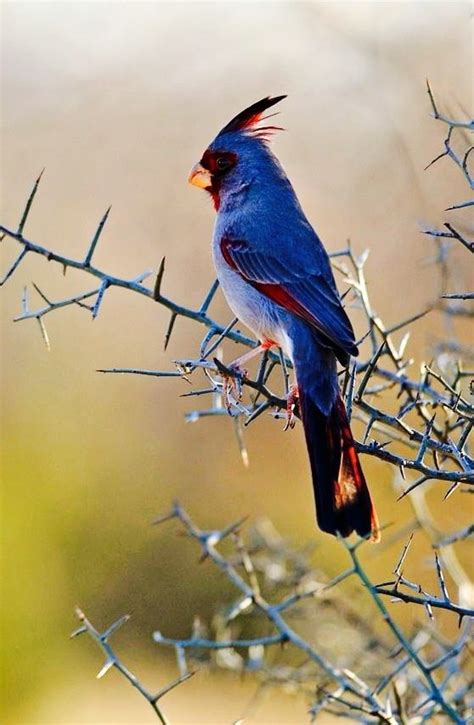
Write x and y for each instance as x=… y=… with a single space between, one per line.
x=343 y=502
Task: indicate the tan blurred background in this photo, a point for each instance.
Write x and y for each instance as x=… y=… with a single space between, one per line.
x=117 y=101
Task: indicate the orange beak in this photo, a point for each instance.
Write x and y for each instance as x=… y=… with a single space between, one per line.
x=200 y=177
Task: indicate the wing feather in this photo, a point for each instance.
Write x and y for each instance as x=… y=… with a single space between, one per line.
x=303 y=291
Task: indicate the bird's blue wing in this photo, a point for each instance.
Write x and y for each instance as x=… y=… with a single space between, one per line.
x=307 y=291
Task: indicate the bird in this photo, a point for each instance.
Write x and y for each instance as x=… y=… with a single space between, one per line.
x=276 y=276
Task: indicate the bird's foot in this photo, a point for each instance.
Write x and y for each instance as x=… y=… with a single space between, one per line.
x=232 y=387
x=292 y=403
x=232 y=378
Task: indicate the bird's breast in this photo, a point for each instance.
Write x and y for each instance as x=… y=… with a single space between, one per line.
x=260 y=314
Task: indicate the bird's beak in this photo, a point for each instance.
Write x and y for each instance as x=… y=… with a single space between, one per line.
x=200 y=177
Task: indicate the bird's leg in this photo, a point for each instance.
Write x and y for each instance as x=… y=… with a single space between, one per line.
x=292 y=402
x=237 y=363
x=232 y=385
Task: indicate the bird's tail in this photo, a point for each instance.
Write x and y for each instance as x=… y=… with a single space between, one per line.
x=343 y=502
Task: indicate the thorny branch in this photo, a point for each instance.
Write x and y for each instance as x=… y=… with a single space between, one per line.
x=447 y=440
x=433 y=417
x=370 y=696
x=112 y=660
x=417 y=421
x=277 y=588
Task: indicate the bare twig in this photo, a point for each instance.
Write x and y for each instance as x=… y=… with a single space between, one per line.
x=112 y=660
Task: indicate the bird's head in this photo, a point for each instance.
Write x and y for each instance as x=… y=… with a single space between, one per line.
x=238 y=154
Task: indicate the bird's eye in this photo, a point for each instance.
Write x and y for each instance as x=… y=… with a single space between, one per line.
x=223 y=163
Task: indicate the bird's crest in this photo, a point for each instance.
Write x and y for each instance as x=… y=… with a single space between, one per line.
x=248 y=119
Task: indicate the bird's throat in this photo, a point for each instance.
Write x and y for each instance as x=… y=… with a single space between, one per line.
x=215 y=197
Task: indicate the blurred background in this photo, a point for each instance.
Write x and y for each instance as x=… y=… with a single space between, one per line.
x=117 y=101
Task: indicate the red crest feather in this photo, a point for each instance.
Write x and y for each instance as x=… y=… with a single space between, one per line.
x=252 y=115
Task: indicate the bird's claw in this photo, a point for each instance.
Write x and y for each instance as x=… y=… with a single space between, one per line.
x=292 y=402
x=232 y=379
x=232 y=387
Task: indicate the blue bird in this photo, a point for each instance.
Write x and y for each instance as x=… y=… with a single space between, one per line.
x=277 y=278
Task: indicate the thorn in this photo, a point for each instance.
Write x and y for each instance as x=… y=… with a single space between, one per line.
x=241 y=441
x=432 y=100
x=450 y=490
x=442 y=583
x=14 y=266
x=108 y=665
x=257 y=412
x=115 y=626
x=159 y=278
x=232 y=528
x=164 y=517
x=209 y=297
x=429 y=611
x=370 y=368
x=78 y=631
x=79 y=614
x=44 y=333
x=100 y=296
x=437 y=158
x=29 y=203
x=182 y=678
x=95 y=238
x=173 y=317
x=41 y=294
x=401 y=561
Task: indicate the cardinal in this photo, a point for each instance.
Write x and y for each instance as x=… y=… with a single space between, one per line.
x=277 y=278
